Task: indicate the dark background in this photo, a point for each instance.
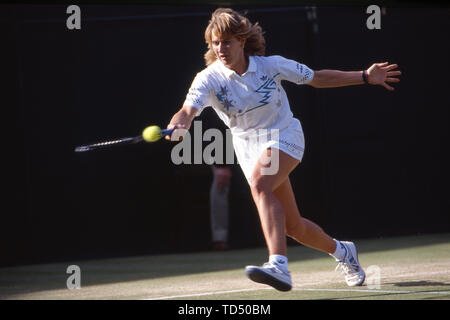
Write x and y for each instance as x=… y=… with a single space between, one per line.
x=376 y=162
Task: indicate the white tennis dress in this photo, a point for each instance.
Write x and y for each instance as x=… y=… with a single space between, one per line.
x=253 y=105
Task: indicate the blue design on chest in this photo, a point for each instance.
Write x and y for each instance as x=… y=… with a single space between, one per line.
x=266 y=90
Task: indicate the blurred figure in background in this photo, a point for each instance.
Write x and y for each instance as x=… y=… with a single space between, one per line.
x=219 y=206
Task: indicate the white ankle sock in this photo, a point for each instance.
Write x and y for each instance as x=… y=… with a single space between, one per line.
x=340 y=252
x=280 y=260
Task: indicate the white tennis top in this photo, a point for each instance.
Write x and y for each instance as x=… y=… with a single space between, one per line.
x=253 y=100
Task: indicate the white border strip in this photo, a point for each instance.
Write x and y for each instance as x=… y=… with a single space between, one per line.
x=300 y=289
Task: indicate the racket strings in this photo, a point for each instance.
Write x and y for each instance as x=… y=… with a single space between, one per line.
x=108 y=142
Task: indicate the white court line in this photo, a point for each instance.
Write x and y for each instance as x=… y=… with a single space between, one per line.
x=204 y=294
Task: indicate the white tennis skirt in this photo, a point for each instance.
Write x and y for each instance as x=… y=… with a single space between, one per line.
x=250 y=148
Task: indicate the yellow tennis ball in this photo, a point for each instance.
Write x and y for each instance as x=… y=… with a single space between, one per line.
x=151 y=133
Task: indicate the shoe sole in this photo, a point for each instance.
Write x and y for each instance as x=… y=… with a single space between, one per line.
x=255 y=274
x=354 y=251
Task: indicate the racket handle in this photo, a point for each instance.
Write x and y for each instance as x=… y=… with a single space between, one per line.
x=166 y=132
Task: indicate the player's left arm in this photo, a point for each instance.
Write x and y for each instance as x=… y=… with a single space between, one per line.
x=378 y=74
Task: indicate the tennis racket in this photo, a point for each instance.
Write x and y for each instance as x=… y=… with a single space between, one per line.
x=118 y=142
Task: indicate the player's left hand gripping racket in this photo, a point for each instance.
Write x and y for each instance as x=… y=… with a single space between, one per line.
x=150 y=134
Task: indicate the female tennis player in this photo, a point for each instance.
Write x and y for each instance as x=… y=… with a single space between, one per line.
x=244 y=88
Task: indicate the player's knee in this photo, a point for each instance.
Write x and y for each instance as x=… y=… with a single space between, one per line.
x=259 y=184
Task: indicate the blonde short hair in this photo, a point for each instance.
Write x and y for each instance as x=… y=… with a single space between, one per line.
x=229 y=22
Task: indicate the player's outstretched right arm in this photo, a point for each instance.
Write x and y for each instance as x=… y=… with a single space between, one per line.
x=181 y=120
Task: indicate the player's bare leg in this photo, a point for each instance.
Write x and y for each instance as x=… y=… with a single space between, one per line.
x=270 y=209
x=310 y=234
x=301 y=229
x=272 y=217
x=279 y=215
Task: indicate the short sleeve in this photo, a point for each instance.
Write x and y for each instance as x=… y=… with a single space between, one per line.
x=294 y=71
x=198 y=95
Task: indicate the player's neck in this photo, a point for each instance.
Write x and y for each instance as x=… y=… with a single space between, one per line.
x=241 y=65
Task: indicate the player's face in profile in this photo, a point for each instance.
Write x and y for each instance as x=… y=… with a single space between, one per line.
x=228 y=49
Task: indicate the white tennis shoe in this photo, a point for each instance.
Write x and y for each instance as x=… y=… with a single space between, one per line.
x=354 y=274
x=270 y=274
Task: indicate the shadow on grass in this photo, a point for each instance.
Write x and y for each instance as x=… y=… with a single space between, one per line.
x=397 y=295
x=420 y=283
